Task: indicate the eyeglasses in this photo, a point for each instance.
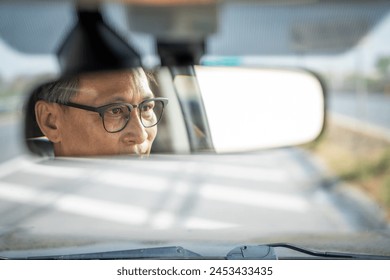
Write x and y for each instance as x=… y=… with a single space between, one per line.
x=115 y=116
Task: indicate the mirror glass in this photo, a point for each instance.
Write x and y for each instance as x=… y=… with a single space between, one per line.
x=174 y=111
x=249 y=108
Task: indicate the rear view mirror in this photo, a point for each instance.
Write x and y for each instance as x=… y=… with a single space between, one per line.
x=127 y=112
x=250 y=108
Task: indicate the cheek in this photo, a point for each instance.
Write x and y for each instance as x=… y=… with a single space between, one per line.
x=84 y=131
x=152 y=132
x=96 y=142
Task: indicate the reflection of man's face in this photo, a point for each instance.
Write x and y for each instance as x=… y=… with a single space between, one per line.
x=82 y=132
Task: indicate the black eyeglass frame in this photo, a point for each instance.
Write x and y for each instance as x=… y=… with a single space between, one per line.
x=101 y=109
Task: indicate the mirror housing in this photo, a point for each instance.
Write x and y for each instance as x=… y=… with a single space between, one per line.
x=211 y=109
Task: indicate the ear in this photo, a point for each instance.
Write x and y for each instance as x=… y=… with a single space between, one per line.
x=48 y=116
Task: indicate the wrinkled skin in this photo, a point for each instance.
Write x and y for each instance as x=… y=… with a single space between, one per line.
x=76 y=132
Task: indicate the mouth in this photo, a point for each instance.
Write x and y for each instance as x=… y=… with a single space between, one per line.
x=141 y=150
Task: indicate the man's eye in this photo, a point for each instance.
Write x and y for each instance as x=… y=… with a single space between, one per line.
x=147 y=110
x=147 y=107
x=115 y=111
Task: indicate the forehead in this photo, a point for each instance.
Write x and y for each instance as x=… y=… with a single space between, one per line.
x=126 y=85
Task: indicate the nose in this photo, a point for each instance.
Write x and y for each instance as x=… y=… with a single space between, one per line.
x=135 y=132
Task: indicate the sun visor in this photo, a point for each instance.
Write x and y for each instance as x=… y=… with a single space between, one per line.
x=266 y=29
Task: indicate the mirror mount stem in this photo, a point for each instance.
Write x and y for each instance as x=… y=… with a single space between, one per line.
x=93 y=46
x=180 y=53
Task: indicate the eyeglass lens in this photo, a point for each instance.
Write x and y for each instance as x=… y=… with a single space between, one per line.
x=116 y=117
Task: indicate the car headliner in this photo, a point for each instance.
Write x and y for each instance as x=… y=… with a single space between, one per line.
x=296 y=28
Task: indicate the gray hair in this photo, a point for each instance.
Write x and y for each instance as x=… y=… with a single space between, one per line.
x=60 y=91
x=63 y=90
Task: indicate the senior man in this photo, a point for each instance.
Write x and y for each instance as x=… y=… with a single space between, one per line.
x=111 y=113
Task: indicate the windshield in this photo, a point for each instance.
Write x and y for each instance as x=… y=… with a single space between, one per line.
x=328 y=190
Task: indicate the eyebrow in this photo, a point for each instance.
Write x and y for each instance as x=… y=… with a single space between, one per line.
x=145 y=96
